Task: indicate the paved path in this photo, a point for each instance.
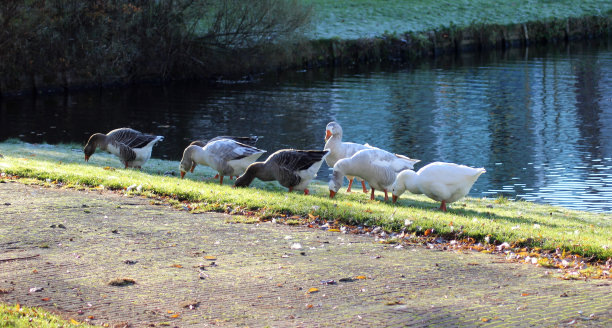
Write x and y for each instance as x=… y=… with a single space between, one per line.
x=73 y=243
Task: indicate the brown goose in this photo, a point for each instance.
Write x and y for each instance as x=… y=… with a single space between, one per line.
x=292 y=168
x=226 y=156
x=132 y=147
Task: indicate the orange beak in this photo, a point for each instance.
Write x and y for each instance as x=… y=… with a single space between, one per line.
x=332 y=194
x=86 y=158
x=182 y=174
x=328 y=135
x=394 y=198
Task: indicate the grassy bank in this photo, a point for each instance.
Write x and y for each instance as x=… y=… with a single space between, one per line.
x=16 y=316
x=488 y=221
x=353 y=19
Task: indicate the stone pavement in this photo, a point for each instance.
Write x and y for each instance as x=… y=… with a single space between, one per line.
x=67 y=246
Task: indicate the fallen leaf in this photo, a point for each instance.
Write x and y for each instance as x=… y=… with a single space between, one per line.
x=176 y=315
x=74 y=322
x=177 y=266
x=45 y=299
x=210 y=257
x=312 y=290
x=428 y=232
x=485 y=319
x=309 y=306
x=525 y=294
x=360 y=277
x=334 y=230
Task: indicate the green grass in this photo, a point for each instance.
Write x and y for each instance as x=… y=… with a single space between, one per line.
x=516 y=222
x=16 y=316
x=352 y=19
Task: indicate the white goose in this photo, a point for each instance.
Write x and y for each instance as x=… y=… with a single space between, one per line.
x=443 y=182
x=132 y=147
x=376 y=166
x=226 y=156
x=339 y=150
x=293 y=169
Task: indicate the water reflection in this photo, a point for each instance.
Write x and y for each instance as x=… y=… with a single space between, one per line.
x=539 y=121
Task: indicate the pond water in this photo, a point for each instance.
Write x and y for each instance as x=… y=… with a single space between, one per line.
x=539 y=120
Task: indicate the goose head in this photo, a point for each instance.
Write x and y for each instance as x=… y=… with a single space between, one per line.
x=403 y=181
x=335 y=183
x=94 y=141
x=187 y=163
x=333 y=129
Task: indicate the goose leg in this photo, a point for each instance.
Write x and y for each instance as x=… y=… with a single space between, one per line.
x=386 y=196
x=290 y=189
x=443 y=206
x=372 y=195
x=221 y=180
x=306 y=191
x=193 y=167
x=365 y=191
x=350 y=184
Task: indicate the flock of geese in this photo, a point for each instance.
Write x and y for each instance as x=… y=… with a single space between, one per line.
x=294 y=169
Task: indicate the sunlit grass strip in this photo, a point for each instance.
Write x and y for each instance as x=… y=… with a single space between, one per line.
x=516 y=222
x=17 y=316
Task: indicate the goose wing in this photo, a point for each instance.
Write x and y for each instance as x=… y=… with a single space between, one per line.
x=298 y=160
x=131 y=137
x=290 y=162
x=229 y=150
x=251 y=141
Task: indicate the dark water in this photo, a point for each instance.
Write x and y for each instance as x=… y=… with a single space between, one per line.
x=539 y=121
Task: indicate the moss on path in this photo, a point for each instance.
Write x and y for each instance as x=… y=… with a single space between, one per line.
x=196 y=270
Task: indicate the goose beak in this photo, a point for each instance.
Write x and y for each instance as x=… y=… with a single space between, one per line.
x=328 y=135
x=332 y=194
x=394 y=198
x=182 y=174
x=86 y=158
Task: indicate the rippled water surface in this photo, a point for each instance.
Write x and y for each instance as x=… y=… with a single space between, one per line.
x=539 y=121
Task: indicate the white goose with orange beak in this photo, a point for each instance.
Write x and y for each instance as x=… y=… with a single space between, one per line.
x=339 y=150
x=376 y=166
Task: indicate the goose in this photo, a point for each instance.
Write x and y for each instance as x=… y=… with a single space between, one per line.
x=251 y=141
x=226 y=156
x=339 y=150
x=132 y=147
x=443 y=182
x=376 y=166
x=293 y=169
